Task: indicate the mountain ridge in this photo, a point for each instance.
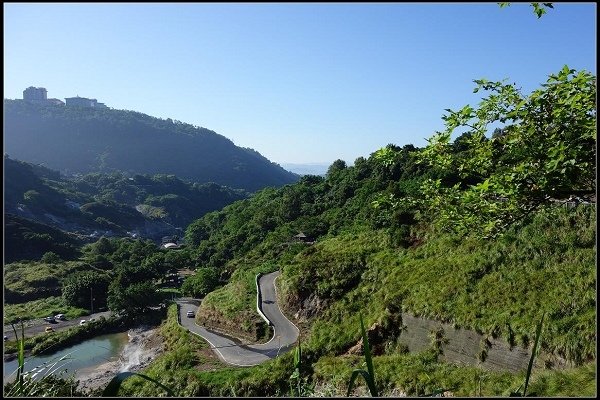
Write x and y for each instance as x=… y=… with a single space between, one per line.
x=78 y=141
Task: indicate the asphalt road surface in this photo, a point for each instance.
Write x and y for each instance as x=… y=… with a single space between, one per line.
x=231 y=350
x=38 y=326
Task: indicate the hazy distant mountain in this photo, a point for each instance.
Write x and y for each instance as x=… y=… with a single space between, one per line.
x=83 y=140
x=307 y=169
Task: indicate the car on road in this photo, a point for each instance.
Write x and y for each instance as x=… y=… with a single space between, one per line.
x=60 y=317
x=49 y=329
x=82 y=322
x=5 y=338
x=190 y=314
x=50 y=319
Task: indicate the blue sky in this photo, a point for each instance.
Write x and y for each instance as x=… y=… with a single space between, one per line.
x=299 y=83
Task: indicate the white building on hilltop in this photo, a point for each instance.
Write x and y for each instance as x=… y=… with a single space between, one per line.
x=83 y=102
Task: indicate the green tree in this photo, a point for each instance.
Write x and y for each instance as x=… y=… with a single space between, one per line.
x=79 y=289
x=336 y=168
x=204 y=281
x=31 y=197
x=132 y=298
x=51 y=258
x=547 y=151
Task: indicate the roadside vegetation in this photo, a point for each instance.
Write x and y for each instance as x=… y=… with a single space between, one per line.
x=41 y=308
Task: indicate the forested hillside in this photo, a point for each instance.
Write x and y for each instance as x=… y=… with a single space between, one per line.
x=82 y=140
x=182 y=265
x=96 y=204
x=487 y=232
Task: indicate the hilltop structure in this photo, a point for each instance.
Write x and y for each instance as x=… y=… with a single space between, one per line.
x=39 y=95
x=83 y=102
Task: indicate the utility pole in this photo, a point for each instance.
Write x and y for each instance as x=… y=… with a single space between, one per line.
x=92 y=300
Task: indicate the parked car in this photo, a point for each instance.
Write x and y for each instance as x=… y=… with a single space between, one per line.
x=49 y=329
x=82 y=322
x=50 y=319
x=190 y=314
x=60 y=317
x=5 y=338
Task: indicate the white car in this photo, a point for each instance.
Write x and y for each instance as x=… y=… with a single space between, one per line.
x=82 y=322
x=60 y=317
x=190 y=314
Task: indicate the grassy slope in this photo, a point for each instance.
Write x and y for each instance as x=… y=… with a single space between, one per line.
x=233 y=306
x=41 y=308
x=496 y=287
x=33 y=280
x=191 y=369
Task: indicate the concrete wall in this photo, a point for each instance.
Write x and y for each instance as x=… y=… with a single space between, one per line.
x=464 y=346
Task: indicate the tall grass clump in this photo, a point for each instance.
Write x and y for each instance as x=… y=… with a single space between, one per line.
x=369 y=374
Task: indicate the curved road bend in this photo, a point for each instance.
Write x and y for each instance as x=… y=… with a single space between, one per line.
x=232 y=352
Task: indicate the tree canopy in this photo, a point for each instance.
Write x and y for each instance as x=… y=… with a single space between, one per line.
x=546 y=151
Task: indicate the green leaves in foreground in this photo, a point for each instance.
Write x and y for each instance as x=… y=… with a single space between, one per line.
x=369 y=374
x=296 y=374
x=114 y=385
x=21 y=356
x=544 y=151
x=538 y=9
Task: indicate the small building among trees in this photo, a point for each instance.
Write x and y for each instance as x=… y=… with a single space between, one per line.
x=301 y=237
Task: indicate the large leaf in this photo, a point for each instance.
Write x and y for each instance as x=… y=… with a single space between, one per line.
x=365 y=375
x=533 y=353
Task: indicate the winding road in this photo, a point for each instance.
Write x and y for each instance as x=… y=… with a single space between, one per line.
x=230 y=350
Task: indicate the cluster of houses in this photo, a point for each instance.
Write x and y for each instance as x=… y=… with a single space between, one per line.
x=39 y=95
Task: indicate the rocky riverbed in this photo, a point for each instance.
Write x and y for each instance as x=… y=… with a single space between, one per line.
x=144 y=345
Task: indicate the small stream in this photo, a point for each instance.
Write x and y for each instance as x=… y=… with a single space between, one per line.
x=88 y=354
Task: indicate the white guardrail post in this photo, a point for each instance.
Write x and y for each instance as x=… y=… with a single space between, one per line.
x=259 y=301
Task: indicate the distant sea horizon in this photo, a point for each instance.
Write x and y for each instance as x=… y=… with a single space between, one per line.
x=316 y=168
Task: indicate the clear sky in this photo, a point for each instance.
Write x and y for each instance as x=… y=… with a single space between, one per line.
x=297 y=82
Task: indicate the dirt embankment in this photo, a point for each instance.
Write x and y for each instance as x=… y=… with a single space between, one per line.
x=248 y=327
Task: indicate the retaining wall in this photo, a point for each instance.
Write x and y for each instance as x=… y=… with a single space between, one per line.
x=259 y=301
x=464 y=346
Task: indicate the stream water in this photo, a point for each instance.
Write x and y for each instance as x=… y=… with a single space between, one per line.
x=85 y=355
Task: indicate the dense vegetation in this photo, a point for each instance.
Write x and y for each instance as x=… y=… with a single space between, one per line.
x=476 y=233
x=25 y=239
x=124 y=275
x=114 y=204
x=441 y=232
x=107 y=140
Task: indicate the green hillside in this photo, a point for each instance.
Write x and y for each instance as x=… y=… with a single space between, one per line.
x=25 y=239
x=486 y=232
x=96 y=203
x=75 y=140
